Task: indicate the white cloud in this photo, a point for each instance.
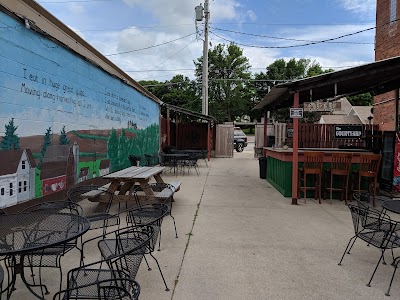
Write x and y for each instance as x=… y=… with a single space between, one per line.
x=76 y=8
x=359 y=7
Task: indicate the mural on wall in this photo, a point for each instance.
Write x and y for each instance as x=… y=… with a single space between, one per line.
x=63 y=120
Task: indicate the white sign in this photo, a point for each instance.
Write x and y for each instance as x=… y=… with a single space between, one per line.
x=296 y=113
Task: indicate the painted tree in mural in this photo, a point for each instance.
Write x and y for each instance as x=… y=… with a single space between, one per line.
x=112 y=147
x=10 y=140
x=123 y=154
x=46 y=143
x=63 y=137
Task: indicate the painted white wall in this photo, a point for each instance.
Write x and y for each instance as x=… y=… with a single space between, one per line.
x=8 y=185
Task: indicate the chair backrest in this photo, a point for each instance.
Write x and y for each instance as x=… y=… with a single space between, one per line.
x=130 y=247
x=341 y=162
x=366 y=220
x=152 y=215
x=313 y=162
x=134 y=160
x=369 y=164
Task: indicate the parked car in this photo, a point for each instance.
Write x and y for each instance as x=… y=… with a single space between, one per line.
x=239 y=139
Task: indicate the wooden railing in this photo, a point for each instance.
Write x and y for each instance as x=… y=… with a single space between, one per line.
x=321 y=136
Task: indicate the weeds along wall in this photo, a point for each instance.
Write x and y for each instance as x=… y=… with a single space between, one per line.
x=63 y=120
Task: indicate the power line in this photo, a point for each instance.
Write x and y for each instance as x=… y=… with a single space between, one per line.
x=145 y=48
x=293 y=46
x=135 y=26
x=286 y=39
x=168 y=58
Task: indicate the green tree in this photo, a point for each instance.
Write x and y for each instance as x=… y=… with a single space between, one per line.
x=46 y=143
x=280 y=71
x=228 y=71
x=11 y=140
x=63 y=137
x=365 y=99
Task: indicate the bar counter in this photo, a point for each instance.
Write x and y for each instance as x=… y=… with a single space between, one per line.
x=279 y=164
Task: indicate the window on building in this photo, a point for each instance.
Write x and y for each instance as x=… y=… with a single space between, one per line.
x=23 y=164
x=11 y=192
x=11 y=185
x=25 y=185
x=393 y=9
x=2 y=191
x=19 y=187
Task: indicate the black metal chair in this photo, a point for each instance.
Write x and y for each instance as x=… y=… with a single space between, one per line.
x=97 y=213
x=134 y=160
x=1 y=280
x=150 y=215
x=50 y=257
x=151 y=160
x=114 y=275
x=375 y=229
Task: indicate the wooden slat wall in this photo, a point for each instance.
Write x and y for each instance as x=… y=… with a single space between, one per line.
x=321 y=136
x=224 y=141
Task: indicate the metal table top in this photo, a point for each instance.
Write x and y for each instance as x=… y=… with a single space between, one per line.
x=392 y=205
x=26 y=232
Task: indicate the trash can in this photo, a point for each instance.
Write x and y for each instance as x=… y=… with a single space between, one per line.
x=262 y=162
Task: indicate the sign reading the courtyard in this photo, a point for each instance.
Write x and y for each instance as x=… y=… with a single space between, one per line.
x=347 y=131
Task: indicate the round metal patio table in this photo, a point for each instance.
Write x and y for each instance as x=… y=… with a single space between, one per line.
x=24 y=233
x=392 y=205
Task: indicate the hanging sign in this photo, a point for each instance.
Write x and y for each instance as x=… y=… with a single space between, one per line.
x=347 y=131
x=322 y=106
x=296 y=113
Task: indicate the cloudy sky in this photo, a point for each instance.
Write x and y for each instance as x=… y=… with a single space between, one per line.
x=156 y=39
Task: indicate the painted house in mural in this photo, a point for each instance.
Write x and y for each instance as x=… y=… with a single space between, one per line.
x=57 y=165
x=61 y=93
x=17 y=176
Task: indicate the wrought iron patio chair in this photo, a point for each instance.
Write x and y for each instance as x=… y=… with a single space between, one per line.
x=97 y=213
x=134 y=160
x=122 y=252
x=151 y=160
x=191 y=162
x=150 y=215
x=50 y=257
x=110 y=289
x=375 y=229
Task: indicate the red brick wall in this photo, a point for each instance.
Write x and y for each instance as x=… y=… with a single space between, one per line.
x=387 y=44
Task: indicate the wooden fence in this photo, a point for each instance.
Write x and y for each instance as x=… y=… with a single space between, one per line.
x=322 y=136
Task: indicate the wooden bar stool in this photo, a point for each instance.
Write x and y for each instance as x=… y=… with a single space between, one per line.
x=313 y=162
x=368 y=168
x=340 y=166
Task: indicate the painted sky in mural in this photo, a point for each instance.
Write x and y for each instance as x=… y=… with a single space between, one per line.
x=44 y=85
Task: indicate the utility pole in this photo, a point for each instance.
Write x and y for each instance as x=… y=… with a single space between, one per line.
x=205 y=60
x=204 y=13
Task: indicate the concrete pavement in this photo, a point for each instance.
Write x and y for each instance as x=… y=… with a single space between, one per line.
x=241 y=239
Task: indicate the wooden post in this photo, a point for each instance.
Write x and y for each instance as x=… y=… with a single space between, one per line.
x=295 y=166
x=168 y=129
x=265 y=132
x=176 y=129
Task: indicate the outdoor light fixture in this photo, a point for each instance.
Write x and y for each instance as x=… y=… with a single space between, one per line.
x=27 y=24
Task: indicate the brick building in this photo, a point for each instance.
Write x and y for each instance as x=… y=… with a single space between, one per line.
x=387 y=45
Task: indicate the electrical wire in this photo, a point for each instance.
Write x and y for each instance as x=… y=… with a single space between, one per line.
x=168 y=58
x=291 y=46
x=288 y=39
x=72 y=1
x=149 y=47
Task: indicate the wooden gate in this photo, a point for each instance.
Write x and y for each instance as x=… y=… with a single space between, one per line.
x=224 y=141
